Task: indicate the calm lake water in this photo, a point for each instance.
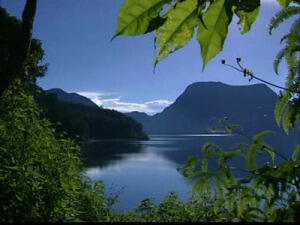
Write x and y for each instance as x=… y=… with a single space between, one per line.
x=142 y=169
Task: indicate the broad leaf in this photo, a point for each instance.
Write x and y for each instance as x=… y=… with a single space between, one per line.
x=258 y=138
x=247 y=19
x=280 y=55
x=247 y=11
x=217 y=19
x=178 y=30
x=296 y=153
x=287 y=119
x=251 y=157
x=257 y=146
x=280 y=106
x=139 y=16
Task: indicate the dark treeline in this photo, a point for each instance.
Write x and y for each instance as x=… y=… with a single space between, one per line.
x=82 y=122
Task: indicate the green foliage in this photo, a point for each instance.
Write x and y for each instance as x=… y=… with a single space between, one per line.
x=39 y=174
x=178 y=30
x=41 y=171
x=94 y=204
x=138 y=17
x=10 y=28
x=296 y=154
x=281 y=16
x=171 y=209
x=212 y=36
x=175 y=21
x=268 y=194
x=287 y=109
x=247 y=19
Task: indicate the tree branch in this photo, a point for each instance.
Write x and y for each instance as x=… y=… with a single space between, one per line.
x=247 y=72
x=18 y=60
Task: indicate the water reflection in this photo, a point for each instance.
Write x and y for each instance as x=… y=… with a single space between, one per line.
x=147 y=174
x=150 y=168
x=104 y=153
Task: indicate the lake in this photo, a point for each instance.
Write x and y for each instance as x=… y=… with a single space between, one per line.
x=142 y=169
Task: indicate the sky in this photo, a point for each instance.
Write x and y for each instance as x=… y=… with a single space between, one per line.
x=119 y=74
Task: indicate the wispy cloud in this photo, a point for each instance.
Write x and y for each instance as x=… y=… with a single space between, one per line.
x=114 y=101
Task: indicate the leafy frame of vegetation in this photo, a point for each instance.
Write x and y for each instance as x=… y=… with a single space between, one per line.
x=40 y=173
x=271 y=193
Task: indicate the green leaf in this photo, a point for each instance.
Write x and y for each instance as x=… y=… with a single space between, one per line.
x=247 y=19
x=257 y=145
x=212 y=149
x=240 y=205
x=200 y=185
x=284 y=3
x=178 y=30
x=229 y=154
x=231 y=128
x=270 y=150
x=137 y=16
x=217 y=19
x=251 y=157
x=282 y=16
x=204 y=165
x=258 y=138
x=189 y=165
x=296 y=153
x=280 y=55
x=287 y=119
x=280 y=106
x=156 y=23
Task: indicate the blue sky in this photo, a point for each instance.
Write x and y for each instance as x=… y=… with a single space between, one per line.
x=76 y=38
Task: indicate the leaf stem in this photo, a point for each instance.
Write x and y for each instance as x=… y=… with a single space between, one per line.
x=247 y=72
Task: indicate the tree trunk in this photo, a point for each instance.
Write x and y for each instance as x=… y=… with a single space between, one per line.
x=18 y=60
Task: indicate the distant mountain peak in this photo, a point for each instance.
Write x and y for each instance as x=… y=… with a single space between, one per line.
x=71 y=97
x=218 y=84
x=55 y=90
x=138 y=112
x=251 y=106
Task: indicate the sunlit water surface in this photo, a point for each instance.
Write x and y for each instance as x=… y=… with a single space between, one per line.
x=141 y=169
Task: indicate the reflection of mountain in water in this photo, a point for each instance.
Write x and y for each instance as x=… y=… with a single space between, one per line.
x=185 y=147
x=107 y=152
x=150 y=168
x=177 y=149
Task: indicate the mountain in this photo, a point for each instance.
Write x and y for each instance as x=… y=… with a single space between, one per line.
x=202 y=103
x=70 y=97
x=81 y=120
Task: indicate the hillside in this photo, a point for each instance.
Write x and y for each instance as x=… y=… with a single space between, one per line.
x=202 y=103
x=84 y=121
x=70 y=97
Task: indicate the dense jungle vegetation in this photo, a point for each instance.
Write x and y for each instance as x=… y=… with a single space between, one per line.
x=40 y=168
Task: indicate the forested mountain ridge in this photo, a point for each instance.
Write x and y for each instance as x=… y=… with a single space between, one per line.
x=203 y=103
x=70 y=97
x=83 y=121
